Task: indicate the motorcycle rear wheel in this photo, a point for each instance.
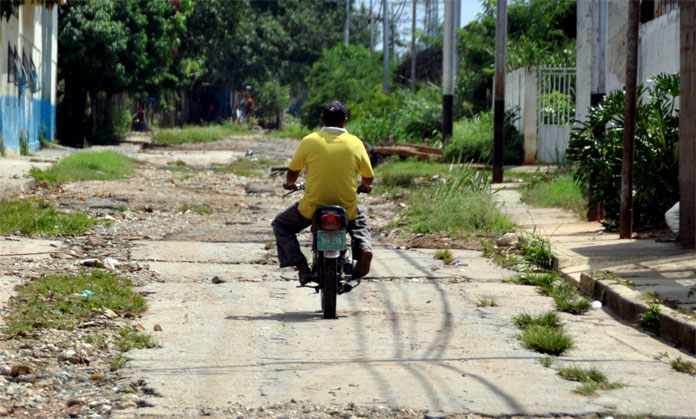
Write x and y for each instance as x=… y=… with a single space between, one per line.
x=329 y=269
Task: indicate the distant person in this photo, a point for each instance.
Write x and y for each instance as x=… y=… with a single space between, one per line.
x=139 y=119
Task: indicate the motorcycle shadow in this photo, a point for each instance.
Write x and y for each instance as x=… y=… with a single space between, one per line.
x=289 y=317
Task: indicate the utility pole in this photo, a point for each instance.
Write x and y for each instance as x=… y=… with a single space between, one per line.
x=372 y=32
x=598 y=84
x=626 y=212
x=499 y=96
x=457 y=25
x=447 y=73
x=346 y=26
x=413 y=48
x=385 y=46
x=687 y=124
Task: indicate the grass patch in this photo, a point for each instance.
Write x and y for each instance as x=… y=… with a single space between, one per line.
x=486 y=301
x=269 y=245
x=405 y=173
x=62 y=301
x=130 y=338
x=198 y=209
x=546 y=340
x=686 y=367
x=198 y=134
x=560 y=191
x=590 y=379
x=290 y=131
x=178 y=163
x=26 y=217
x=445 y=255
x=473 y=211
x=525 y=320
x=88 y=165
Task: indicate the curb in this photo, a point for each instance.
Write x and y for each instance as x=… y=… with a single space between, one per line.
x=628 y=305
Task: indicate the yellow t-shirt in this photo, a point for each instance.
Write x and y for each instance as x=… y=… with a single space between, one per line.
x=333 y=161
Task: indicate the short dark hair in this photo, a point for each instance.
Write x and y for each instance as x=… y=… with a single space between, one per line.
x=334 y=114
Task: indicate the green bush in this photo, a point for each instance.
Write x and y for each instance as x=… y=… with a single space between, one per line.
x=656 y=169
x=559 y=191
x=472 y=140
x=271 y=100
x=345 y=73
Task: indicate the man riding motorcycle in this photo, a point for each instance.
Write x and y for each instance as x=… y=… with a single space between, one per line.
x=333 y=159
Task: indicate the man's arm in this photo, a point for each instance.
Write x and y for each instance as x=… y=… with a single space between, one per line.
x=365 y=185
x=291 y=179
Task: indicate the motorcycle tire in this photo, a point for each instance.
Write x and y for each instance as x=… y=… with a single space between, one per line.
x=329 y=282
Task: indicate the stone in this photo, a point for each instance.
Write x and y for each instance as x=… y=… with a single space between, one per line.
x=507 y=240
x=157 y=328
x=217 y=280
x=92 y=263
x=18 y=370
x=61 y=255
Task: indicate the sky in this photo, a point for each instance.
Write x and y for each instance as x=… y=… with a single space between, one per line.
x=469 y=10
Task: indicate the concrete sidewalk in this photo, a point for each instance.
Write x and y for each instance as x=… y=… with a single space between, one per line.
x=14 y=171
x=637 y=268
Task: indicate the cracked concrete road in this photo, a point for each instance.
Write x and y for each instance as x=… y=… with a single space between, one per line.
x=412 y=335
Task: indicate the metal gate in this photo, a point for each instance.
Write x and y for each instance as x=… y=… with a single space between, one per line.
x=555 y=111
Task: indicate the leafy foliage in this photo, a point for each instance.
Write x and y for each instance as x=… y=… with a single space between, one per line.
x=540 y=32
x=472 y=140
x=655 y=183
x=347 y=74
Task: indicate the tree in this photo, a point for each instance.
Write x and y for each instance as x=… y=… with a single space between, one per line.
x=110 y=48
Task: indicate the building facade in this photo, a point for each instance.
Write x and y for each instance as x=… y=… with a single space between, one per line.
x=28 y=77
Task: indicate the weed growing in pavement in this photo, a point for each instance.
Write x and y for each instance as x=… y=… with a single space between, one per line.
x=198 y=134
x=445 y=255
x=198 y=209
x=269 y=245
x=118 y=363
x=590 y=379
x=650 y=319
x=130 y=338
x=546 y=340
x=542 y=280
x=525 y=320
x=121 y=208
x=610 y=276
x=567 y=298
x=687 y=367
x=692 y=292
x=2 y=147
x=88 y=165
x=63 y=301
x=25 y=217
x=536 y=251
x=486 y=301
x=179 y=163
x=546 y=361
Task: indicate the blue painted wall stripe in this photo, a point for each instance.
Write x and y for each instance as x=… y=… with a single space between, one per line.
x=29 y=116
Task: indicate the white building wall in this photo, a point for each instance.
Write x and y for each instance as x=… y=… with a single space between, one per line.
x=658 y=51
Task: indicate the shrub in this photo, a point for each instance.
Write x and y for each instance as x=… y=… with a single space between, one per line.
x=655 y=183
x=271 y=100
x=345 y=73
x=472 y=140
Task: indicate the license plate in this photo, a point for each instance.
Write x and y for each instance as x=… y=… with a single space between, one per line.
x=331 y=240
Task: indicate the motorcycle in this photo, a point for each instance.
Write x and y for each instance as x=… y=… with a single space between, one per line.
x=331 y=264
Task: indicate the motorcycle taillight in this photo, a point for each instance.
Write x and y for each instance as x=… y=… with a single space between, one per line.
x=330 y=221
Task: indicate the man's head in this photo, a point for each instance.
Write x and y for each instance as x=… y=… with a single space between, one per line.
x=335 y=114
